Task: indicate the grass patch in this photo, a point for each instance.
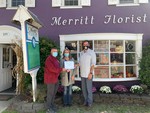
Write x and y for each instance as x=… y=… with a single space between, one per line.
x=99 y=108
x=8 y=111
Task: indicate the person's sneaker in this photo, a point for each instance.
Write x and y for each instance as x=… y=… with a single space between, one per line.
x=50 y=111
x=89 y=105
x=85 y=104
x=54 y=108
x=64 y=105
x=69 y=105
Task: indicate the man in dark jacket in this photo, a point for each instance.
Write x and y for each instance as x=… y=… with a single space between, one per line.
x=51 y=72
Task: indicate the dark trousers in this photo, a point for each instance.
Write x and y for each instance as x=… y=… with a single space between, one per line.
x=67 y=98
x=51 y=92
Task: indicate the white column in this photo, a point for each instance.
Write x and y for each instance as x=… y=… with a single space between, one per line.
x=138 y=51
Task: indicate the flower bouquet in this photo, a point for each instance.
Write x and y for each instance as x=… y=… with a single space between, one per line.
x=120 y=89
x=136 y=89
x=105 y=89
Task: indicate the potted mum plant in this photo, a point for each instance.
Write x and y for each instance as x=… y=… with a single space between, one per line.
x=136 y=89
x=120 y=89
x=76 y=89
x=105 y=89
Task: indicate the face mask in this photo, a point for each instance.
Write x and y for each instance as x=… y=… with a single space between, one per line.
x=55 y=54
x=85 y=47
x=66 y=54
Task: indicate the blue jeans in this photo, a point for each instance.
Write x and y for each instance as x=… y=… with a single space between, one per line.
x=87 y=90
x=67 y=98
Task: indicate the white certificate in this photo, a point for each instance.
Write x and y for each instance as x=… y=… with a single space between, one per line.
x=69 y=64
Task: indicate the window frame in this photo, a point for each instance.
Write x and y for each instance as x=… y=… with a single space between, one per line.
x=7 y=53
x=107 y=36
x=9 y=5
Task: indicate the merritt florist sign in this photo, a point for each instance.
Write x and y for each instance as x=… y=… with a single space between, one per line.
x=89 y=20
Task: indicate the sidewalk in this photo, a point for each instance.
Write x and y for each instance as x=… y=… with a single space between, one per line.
x=5 y=104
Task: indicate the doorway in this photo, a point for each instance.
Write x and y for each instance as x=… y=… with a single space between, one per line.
x=9 y=35
x=8 y=61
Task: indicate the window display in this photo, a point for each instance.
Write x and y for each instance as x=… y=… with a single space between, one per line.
x=117 y=72
x=101 y=45
x=116 y=58
x=130 y=46
x=116 y=46
x=102 y=58
x=130 y=71
x=101 y=72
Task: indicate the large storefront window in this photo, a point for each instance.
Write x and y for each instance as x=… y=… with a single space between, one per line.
x=116 y=58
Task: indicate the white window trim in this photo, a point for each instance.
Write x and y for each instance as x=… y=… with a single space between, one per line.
x=28 y=3
x=70 y=7
x=128 y=4
x=116 y=2
x=9 y=5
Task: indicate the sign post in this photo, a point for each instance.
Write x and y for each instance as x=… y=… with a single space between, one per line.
x=30 y=43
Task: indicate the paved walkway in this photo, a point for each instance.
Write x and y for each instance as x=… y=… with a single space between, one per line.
x=5 y=104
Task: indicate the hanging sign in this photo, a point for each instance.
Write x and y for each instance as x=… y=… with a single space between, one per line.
x=32 y=47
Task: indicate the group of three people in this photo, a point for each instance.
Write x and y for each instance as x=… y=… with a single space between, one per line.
x=54 y=68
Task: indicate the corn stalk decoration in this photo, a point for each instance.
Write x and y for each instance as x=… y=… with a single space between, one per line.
x=17 y=71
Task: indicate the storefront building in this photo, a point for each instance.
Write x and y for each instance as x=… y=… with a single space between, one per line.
x=116 y=30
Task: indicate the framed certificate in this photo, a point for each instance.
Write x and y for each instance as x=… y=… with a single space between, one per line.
x=69 y=64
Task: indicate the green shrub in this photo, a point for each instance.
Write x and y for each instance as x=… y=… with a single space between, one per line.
x=144 y=72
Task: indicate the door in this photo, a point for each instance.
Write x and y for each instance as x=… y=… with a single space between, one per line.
x=5 y=67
